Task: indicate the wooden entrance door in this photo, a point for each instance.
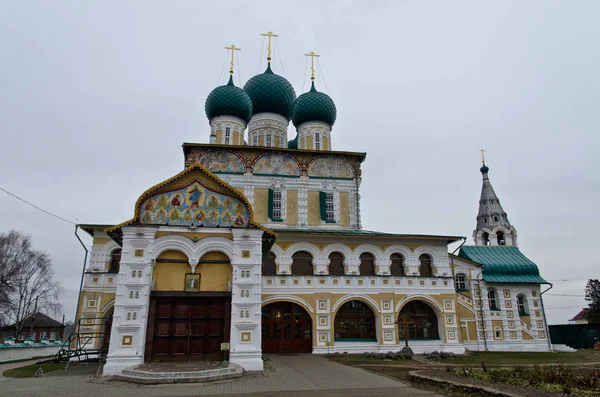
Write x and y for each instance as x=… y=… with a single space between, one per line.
x=188 y=328
x=286 y=328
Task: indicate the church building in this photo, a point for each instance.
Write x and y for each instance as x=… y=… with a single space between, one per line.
x=256 y=248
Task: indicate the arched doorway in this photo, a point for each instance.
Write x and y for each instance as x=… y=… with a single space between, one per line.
x=355 y=321
x=107 y=321
x=286 y=328
x=421 y=323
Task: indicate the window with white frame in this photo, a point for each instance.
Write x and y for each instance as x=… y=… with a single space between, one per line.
x=277 y=204
x=269 y=142
x=460 y=282
x=255 y=140
x=522 y=305
x=227 y=135
x=492 y=300
x=317 y=141
x=329 y=207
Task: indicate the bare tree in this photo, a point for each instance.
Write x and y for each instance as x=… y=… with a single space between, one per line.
x=26 y=281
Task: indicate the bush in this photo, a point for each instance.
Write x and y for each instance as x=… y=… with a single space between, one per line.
x=436 y=355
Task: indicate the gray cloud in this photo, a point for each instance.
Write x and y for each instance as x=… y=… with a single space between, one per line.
x=97 y=97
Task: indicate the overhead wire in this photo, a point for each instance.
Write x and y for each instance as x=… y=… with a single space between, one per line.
x=280 y=57
x=36 y=207
x=260 y=55
x=322 y=75
x=223 y=69
x=304 y=75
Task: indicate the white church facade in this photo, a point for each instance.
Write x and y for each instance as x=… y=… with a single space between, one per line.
x=257 y=243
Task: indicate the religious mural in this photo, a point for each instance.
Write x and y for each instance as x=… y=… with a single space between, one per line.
x=195 y=205
x=330 y=167
x=222 y=161
x=277 y=163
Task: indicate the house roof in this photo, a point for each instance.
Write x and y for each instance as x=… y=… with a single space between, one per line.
x=582 y=315
x=361 y=233
x=39 y=320
x=503 y=264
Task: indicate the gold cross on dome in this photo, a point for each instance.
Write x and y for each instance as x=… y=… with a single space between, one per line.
x=312 y=56
x=269 y=34
x=233 y=49
x=482 y=156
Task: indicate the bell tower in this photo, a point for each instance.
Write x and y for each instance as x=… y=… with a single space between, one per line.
x=493 y=227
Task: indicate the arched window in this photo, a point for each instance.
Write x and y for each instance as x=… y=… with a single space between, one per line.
x=269 y=268
x=460 y=282
x=336 y=264
x=522 y=305
x=367 y=264
x=497 y=332
x=492 y=299
x=420 y=321
x=302 y=264
x=426 y=267
x=355 y=321
x=485 y=237
x=115 y=261
x=500 y=238
x=397 y=266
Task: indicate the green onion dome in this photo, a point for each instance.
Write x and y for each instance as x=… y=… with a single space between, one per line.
x=484 y=169
x=228 y=100
x=314 y=106
x=270 y=93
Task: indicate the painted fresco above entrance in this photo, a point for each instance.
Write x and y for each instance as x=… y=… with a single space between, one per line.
x=330 y=167
x=194 y=205
x=277 y=164
x=222 y=161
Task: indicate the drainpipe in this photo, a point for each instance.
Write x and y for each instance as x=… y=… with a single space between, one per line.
x=545 y=321
x=453 y=281
x=82 y=272
x=481 y=308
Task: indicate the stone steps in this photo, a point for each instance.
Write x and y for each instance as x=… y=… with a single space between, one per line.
x=146 y=377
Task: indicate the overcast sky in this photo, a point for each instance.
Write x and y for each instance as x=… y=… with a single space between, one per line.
x=96 y=98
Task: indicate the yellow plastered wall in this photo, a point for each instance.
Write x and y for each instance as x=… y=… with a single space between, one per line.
x=326 y=143
x=276 y=141
x=309 y=142
x=292 y=207
x=219 y=135
x=526 y=336
x=344 y=209
x=314 y=210
x=527 y=319
x=472 y=328
x=463 y=312
x=170 y=276
x=261 y=203
x=101 y=240
x=238 y=139
x=302 y=143
x=261 y=140
x=214 y=276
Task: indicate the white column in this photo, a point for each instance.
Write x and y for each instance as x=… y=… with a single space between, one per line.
x=246 y=296
x=128 y=337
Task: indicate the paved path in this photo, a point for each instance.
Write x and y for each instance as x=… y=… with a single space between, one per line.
x=302 y=375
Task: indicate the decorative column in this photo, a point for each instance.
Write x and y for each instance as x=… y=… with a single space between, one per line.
x=246 y=297
x=130 y=318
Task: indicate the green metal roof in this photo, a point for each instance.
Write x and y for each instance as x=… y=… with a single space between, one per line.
x=228 y=100
x=360 y=233
x=293 y=144
x=503 y=264
x=271 y=93
x=313 y=106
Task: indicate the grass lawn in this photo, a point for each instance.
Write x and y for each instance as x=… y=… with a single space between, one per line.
x=491 y=358
x=30 y=370
x=581 y=356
